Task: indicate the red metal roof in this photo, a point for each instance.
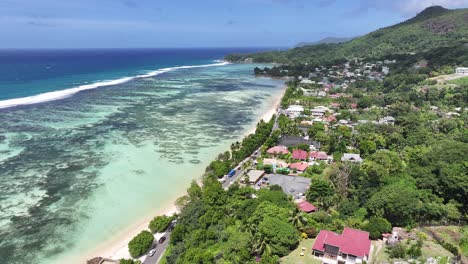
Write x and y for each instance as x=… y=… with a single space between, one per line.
x=300 y=166
x=351 y=241
x=319 y=155
x=307 y=207
x=299 y=154
x=278 y=150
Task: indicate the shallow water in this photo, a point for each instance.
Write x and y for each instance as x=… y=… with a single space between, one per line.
x=74 y=172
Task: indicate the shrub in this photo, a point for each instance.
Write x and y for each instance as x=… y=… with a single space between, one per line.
x=415 y=250
x=126 y=261
x=268 y=168
x=160 y=223
x=377 y=226
x=397 y=251
x=140 y=243
x=311 y=232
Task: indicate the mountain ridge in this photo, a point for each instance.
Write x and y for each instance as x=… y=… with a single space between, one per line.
x=326 y=40
x=433 y=27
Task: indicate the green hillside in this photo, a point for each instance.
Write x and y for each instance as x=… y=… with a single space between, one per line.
x=434 y=27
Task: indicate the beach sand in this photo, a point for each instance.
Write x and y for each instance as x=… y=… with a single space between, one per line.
x=116 y=248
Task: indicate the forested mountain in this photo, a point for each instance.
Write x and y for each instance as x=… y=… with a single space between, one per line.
x=326 y=40
x=434 y=27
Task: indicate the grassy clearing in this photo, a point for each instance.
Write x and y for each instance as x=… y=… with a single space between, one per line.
x=432 y=249
x=295 y=258
x=460 y=81
x=379 y=253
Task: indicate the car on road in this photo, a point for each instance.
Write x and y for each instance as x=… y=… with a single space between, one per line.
x=151 y=252
x=222 y=180
x=162 y=239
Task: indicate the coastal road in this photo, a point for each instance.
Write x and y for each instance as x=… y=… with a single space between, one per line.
x=160 y=248
x=253 y=157
x=240 y=172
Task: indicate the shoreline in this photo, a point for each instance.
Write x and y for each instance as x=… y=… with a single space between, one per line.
x=117 y=247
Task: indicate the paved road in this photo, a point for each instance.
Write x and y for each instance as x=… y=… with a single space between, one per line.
x=160 y=248
x=253 y=157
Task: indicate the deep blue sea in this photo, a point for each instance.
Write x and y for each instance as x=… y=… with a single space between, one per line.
x=31 y=72
x=94 y=142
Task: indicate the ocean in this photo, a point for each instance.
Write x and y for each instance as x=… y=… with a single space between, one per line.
x=91 y=141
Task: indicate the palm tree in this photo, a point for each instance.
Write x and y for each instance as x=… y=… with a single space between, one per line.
x=261 y=246
x=297 y=219
x=251 y=228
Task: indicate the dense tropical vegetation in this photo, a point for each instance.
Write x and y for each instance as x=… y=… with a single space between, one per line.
x=414 y=171
x=434 y=27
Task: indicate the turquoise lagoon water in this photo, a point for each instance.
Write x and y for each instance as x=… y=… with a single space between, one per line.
x=77 y=171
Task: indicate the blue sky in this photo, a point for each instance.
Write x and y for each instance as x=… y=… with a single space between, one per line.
x=195 y=23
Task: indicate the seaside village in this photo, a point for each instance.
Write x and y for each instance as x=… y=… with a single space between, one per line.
x=315 y=130
x=321 y=106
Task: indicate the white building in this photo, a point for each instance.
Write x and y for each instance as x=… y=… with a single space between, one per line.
x=319 y=111
x=351 y=157
x=461 y=70
x=306 y=81
x=294 y=111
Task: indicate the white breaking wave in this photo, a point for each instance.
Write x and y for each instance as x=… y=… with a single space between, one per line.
x=56 y=95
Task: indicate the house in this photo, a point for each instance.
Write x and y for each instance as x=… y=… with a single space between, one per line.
x=385 y=70
x=255 y=175
x=306 y=81
x=322 y=94
x=319 y=111
x=291 y=141
x=299 y=166
x=300 y=154
x=294 y=111
x=277 y=150
x=351 y=157
x=307 y=207
x=320 y=155
x=352 y=246
x=292 y=185
x=461 y=70
x=389 y=120
x=275 y=163
x=335 y=105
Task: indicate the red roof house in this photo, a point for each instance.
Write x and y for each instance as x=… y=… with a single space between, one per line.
x=278 y=150
x=307 y=207
x=299 y=166
x=299 y=154
x=318 y=155
x=352 y=246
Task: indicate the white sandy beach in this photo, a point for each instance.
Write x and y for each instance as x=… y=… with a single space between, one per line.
x=116 y=248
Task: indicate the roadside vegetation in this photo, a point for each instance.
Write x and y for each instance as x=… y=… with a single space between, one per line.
x=140 y=244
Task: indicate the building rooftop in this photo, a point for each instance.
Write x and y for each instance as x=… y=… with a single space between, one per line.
x=300 y=166
x=278 y=150
x=294 y=141
x=351 y=241
x=307 y=207
x=299 y=154
x=255 y=175
x=351 y=157
x=291 y=185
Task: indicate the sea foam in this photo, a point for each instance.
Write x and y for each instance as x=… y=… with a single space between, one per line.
x=56 y=95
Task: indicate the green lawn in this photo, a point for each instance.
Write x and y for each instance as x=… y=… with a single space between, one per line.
x=460 y=81
x=295 y=258
x=432 y=249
